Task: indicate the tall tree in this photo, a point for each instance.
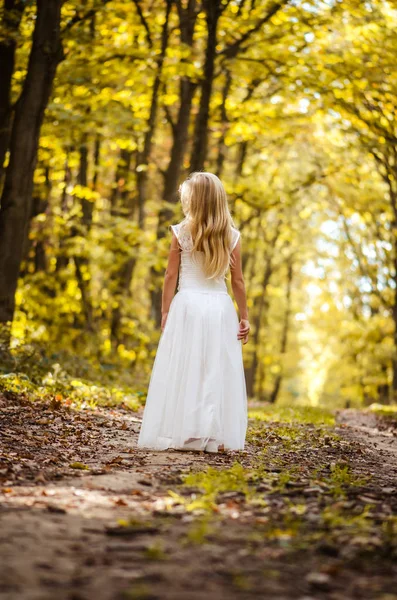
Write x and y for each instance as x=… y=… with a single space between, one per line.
x=144 y=155
x=16 y=200
x=213 y=10
x=12 y=15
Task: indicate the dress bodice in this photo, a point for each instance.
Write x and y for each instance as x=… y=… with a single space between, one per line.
x=191 y=272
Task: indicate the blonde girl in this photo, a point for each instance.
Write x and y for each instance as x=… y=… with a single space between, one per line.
x=197 y=396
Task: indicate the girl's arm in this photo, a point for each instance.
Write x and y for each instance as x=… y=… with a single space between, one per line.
x=170 y=280
x=238 y=287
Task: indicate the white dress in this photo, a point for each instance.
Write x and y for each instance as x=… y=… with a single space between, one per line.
x=197 y=391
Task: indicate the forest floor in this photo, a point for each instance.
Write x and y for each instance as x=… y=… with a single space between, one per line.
x=307 y=511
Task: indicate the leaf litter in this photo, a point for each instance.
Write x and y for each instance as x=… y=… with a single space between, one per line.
x=308 y=510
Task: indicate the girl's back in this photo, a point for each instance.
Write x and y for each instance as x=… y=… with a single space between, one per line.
x=192 y=274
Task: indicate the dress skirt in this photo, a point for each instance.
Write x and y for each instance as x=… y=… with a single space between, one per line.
x=197 y=388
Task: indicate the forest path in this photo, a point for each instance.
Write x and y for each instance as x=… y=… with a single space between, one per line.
x=379 y=437
x=85 y=515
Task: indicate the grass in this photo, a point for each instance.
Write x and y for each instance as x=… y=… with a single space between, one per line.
x=384 y=410
x=293 y=415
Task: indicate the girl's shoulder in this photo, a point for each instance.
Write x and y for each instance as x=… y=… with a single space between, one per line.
x=182 y=234
x=178 y=227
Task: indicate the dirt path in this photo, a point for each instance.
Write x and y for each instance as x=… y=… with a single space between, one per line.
x=114 y=532
x=379 y=439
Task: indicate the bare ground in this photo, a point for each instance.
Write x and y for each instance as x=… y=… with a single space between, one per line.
x=113 y=532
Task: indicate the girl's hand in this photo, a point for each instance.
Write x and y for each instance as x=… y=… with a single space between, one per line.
x=244 y=329
x=163 y=320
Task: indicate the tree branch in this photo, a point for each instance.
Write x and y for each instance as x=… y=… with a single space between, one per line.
x=81 y=17
x=232 y=50
x=169 y=119
x=144 y=23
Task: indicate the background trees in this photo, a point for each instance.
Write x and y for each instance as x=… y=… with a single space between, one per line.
x=107 y=105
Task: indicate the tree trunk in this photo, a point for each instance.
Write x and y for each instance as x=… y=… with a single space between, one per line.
x=213 y=10
x=171 y=179
x=45 y=55
x=122 y=205
x=118 y=198
x=82 y=265
x=187 y=21
x=394 y=315
x=62 y=258
x=178 y=150
x=12 y=15
x=142 y=164
x=224 y=124
x=97 y=157
x=124 y=282
x=86 y=205
x=144 y=156
x=250 y=373
x=40 y=255
x=386 y=160
x=284 y=335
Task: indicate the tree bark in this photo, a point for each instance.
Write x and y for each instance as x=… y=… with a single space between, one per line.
x=40 y=255
x=187 y=20
x=123 y=287
x=82 y=265
x=213 y=10
x=12 y=15
x=387 y=165
x=97 y=157
x=120 y=192
x=243 y=146
x=122 y=206
x=394 y=306
x=171 y=179
x=62 y=258
x=45 y=55
x=261 y=309
x=144 y=156
x=224 y=124
x=142 y=164
x=284 y=335
x=250 y=373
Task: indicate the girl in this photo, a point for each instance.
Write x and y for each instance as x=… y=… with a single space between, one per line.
x=197 y=395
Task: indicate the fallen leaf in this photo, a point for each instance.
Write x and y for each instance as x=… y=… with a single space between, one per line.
x=121 y=502
x=79 y=465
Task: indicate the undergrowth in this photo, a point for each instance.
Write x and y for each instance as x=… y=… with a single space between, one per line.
x=68 y=379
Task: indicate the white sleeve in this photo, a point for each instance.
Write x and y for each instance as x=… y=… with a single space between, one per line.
x=175 y=229
x=235 y=238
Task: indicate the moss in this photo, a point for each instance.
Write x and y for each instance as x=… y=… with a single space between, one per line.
x=213 y=482
x=155 y=552
x=241 y=581
x=341 y=479
x=139 y=592
x=199 y=531
x=336 y=517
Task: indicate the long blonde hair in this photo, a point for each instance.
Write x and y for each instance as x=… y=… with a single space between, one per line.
x=204 y=203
